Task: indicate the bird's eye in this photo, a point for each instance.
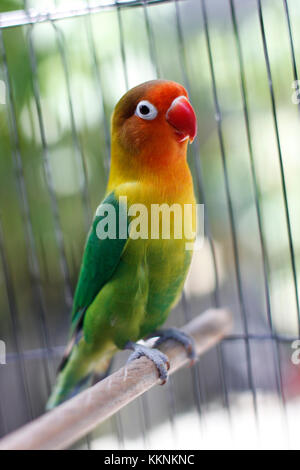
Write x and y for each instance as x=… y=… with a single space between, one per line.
x=146 y=110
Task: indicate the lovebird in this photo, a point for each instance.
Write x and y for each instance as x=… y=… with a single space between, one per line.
x=133 y=270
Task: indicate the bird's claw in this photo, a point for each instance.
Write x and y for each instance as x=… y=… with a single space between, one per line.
x=159 y=359
x=181 y=337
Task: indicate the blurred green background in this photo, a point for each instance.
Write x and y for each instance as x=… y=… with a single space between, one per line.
x=66 y=76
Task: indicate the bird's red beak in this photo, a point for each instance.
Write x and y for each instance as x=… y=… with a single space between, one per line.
x=182 y=117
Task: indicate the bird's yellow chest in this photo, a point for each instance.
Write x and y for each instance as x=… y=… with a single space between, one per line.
x=160 y=220
x=161 y=231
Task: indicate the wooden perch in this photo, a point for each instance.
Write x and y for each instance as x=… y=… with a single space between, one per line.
x=64 y=425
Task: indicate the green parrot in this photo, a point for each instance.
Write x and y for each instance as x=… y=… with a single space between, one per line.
x=128 y=284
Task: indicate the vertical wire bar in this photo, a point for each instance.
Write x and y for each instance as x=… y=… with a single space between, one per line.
x=98 y=79
x=195 y=369
x=264 y=252
x=201 y=192
x=183 y=66
x=99 y=87
x=282 y=173
x=143 y=408
x=122 y=44
x=48 y=173
x=152 y=48
x=79 y=152
x=143 y=419
x=15 y=324
x=88 y=441
x=146 y=415
x=3 y=420
x=33 y=262
x=119 y=428
x=230 y=210
x=172 y=406
x=44 y=263
x=76 y=143
x=293 y=55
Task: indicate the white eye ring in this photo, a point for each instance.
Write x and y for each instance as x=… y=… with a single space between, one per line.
x=146 y=110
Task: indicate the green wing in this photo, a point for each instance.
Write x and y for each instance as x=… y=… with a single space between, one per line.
x=100 y=258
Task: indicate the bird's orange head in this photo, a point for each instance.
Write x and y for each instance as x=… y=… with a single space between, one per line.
x=151 y=126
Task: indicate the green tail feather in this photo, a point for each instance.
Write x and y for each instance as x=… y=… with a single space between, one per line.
x=61 y=393
x=77 y=375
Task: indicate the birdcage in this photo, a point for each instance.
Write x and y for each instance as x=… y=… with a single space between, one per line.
x=63 y=66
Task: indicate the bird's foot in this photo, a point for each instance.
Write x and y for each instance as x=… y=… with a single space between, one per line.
x=158 y=358
x=179 y=336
